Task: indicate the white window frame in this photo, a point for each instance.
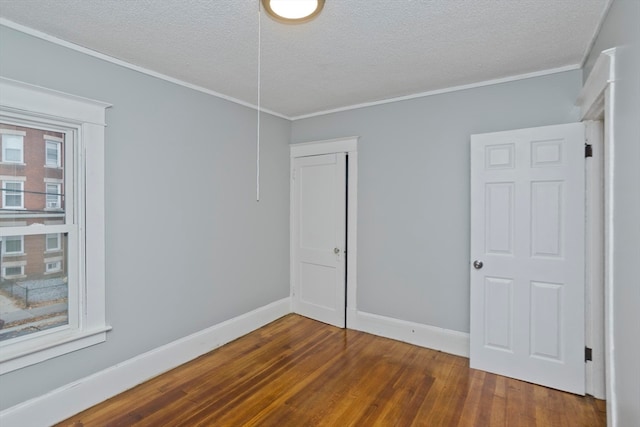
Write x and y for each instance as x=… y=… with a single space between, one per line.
x=56 y=194
x=48 y=139
x=4 y=246
x=56 y=260
x=5 y=193
x=58 y=240
x=82 y=121
x=5 y=147
x=19 y=265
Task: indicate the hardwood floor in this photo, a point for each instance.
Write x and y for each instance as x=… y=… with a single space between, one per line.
x=299 y=372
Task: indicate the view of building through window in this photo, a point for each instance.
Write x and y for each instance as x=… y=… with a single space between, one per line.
x=33 y=254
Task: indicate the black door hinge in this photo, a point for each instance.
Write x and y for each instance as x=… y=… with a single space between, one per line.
x=588 y=354
x=588 y=150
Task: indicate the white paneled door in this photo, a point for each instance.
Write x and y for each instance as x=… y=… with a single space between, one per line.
x=319 y=237
x=527 y=255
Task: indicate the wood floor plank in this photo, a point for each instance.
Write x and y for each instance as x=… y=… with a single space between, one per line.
x=299 y=372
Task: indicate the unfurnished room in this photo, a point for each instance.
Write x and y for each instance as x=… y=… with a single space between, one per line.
x=320 y=213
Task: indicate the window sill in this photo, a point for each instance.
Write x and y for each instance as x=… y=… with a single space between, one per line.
x=17 y=356
x=13 y=163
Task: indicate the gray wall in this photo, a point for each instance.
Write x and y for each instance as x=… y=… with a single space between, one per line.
x=187 y=246
x=621 y=29
x=413 y=188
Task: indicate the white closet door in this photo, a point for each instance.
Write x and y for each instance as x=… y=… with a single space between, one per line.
x=319 y=185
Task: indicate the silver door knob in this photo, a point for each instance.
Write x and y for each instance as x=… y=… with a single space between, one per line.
x=477 y=264
x=336 y=251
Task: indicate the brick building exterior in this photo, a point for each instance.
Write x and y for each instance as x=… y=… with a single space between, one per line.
x=32 y=186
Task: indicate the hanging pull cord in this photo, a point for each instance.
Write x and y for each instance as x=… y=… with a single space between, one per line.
x=259 y=107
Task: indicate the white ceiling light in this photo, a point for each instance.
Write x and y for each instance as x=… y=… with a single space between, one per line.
x=293 y=11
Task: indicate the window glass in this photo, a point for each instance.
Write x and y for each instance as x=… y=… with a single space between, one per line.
x=52 y=242
x=52 y=293
x=13 y=245
x=53 y=196
x=34 y=290
x=12 y=194
x=12 y=148
x=53 y=153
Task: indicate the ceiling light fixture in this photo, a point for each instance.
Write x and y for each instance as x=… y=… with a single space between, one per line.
x=293 y=11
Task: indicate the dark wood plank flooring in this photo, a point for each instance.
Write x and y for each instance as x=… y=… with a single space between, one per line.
x=299 y=372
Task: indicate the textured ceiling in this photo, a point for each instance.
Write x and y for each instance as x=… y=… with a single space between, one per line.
x=356 y=51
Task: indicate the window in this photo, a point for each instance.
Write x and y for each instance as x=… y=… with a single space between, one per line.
x=57 y=216
x=12 y=195
x=52 y=153
x=53 y=266
x=13 y=245
x=12 y=148
x=16 y=271
x=53 y=196
x=52 y=242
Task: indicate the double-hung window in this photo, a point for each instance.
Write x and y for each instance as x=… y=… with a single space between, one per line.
x=12 y=194
x=54 y=196
x=52 y=153
x=13 y=245
x=52 y=242
x=51 y=223
x=12 y=151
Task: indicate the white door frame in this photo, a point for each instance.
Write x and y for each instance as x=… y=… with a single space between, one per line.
x=594 y=260
x=596 y=102
x=347 y=145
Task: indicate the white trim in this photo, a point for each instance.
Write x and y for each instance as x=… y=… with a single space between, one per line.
x=597 y=99
x=21 y=97
x=6 y=145
x=13 y=132
x=58 y=247
x=82 y=122
x=12 y=178
x=591 y=97
x=432 y=337
x=35 y=33
x=6 y=253
x=347 y=145
x=441 y=91
x=7 y=192
x=594 y=260
x=52 y=138
x=329 y=146
x=77 y=396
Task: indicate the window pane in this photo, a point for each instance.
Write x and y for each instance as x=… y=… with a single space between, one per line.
x=53 y=242
x=13 y=244
x=12 y=194
x=53 y=196
x=33 y=288
x=12 y=148
x=53 y=153
x=33 y=192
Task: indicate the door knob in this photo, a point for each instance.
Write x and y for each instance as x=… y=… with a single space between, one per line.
x=477 y=264
x=336 y=251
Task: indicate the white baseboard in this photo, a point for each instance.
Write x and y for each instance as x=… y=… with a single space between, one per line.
x=77 y=396
x=432 y=337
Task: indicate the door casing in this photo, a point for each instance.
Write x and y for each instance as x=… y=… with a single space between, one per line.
x=348 y=145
